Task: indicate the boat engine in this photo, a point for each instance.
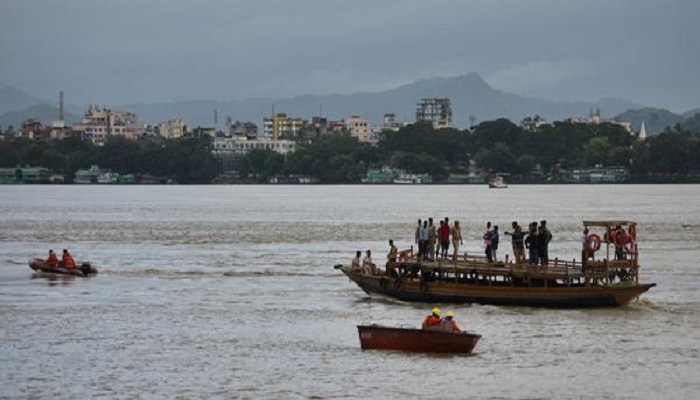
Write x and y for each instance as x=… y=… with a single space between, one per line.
x=86 y=268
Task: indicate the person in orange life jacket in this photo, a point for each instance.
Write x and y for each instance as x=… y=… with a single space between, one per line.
x=449 y=324
x=433 y=320
x=52 y=260
x=68 y=262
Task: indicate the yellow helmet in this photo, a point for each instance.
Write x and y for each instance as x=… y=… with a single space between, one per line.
x=450 y=314
x=436 y=311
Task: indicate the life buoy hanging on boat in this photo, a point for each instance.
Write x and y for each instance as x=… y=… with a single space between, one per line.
x=631 y=245
x=593 y=243
x=620 y=238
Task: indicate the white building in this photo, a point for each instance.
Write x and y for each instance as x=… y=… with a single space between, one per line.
x=437 y=111
x=241 y=145
x=172 y=129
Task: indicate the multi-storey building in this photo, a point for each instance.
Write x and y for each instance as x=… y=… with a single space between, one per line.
x=99 y=124
x=33 y=129
x=281 y=126
x=172 y=129
x=359 y=128
x=230 y=150
x=437 y=111
x=243 y=129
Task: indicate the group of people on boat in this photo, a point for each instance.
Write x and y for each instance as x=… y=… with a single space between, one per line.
x=529 y=247
x=434 y=241
x=536 y=242
x=447 y=324
x=66 y=262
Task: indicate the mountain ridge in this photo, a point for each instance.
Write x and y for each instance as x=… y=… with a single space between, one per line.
x=469 y=93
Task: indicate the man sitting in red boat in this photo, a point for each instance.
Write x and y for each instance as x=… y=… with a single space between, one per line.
x=433 y=320
x=449 y=324
x=52 y=261
x=68 y=262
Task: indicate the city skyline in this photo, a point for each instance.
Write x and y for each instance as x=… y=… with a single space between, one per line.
x=144 y=52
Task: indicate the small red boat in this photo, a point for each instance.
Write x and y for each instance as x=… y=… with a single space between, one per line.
x=418 y=340
x=84 y=269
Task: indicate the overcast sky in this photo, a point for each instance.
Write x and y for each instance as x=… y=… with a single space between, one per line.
x=117 y=51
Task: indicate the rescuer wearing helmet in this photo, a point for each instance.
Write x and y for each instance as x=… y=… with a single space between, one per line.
x=449 y=324
x=433 y=320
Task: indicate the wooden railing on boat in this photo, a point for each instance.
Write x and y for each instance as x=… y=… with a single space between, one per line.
x=476 y=269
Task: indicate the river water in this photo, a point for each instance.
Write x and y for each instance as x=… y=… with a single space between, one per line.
x=229 y=292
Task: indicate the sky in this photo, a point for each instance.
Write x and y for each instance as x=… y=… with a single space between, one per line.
x=145 y=51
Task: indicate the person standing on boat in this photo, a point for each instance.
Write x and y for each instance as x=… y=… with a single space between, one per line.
x=423 y=241
x=586 y=254
x=445 y=238
x=356 y=261
x=433 y=320
x=547 y=239
x=418 y=233
x=68 y=262
x=494 y=243
x=532 y=242
x=449 y=324
x=431 y=240
x=393 y=252
x=487 y=242
x=456 y=233
x=517 y=242
x=52 y=261
x=541 y=245
x=619 y=237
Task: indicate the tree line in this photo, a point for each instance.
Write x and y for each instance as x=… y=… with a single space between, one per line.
x=494 y=146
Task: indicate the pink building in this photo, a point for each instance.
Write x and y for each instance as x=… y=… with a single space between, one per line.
x=99 y=124
x=359 y=128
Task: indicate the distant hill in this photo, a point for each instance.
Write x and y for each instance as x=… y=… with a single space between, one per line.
x=691 y=113
x=655 y=119
x=469 y=94
x=42 y=112
x=692 y=124
x=13 y=99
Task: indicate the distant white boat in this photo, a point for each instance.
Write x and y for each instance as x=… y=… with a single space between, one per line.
x=498 y=183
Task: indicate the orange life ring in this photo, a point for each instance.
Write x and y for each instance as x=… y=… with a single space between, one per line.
x=593 y=243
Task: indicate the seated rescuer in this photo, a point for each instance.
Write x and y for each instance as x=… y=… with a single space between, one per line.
x=433 y=320
x=68 y=262
x=369 y=267
x=52 y=260
x=449 y=324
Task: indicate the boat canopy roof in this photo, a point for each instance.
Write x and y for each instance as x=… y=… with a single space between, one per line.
x=609 y=223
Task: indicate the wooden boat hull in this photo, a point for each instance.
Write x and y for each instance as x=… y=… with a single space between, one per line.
x=553 y=297
x=415 y=340
x=84 y=270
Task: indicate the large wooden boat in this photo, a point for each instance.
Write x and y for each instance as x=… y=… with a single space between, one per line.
x=417 y=340
x=85 y=269
x=592 y=282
